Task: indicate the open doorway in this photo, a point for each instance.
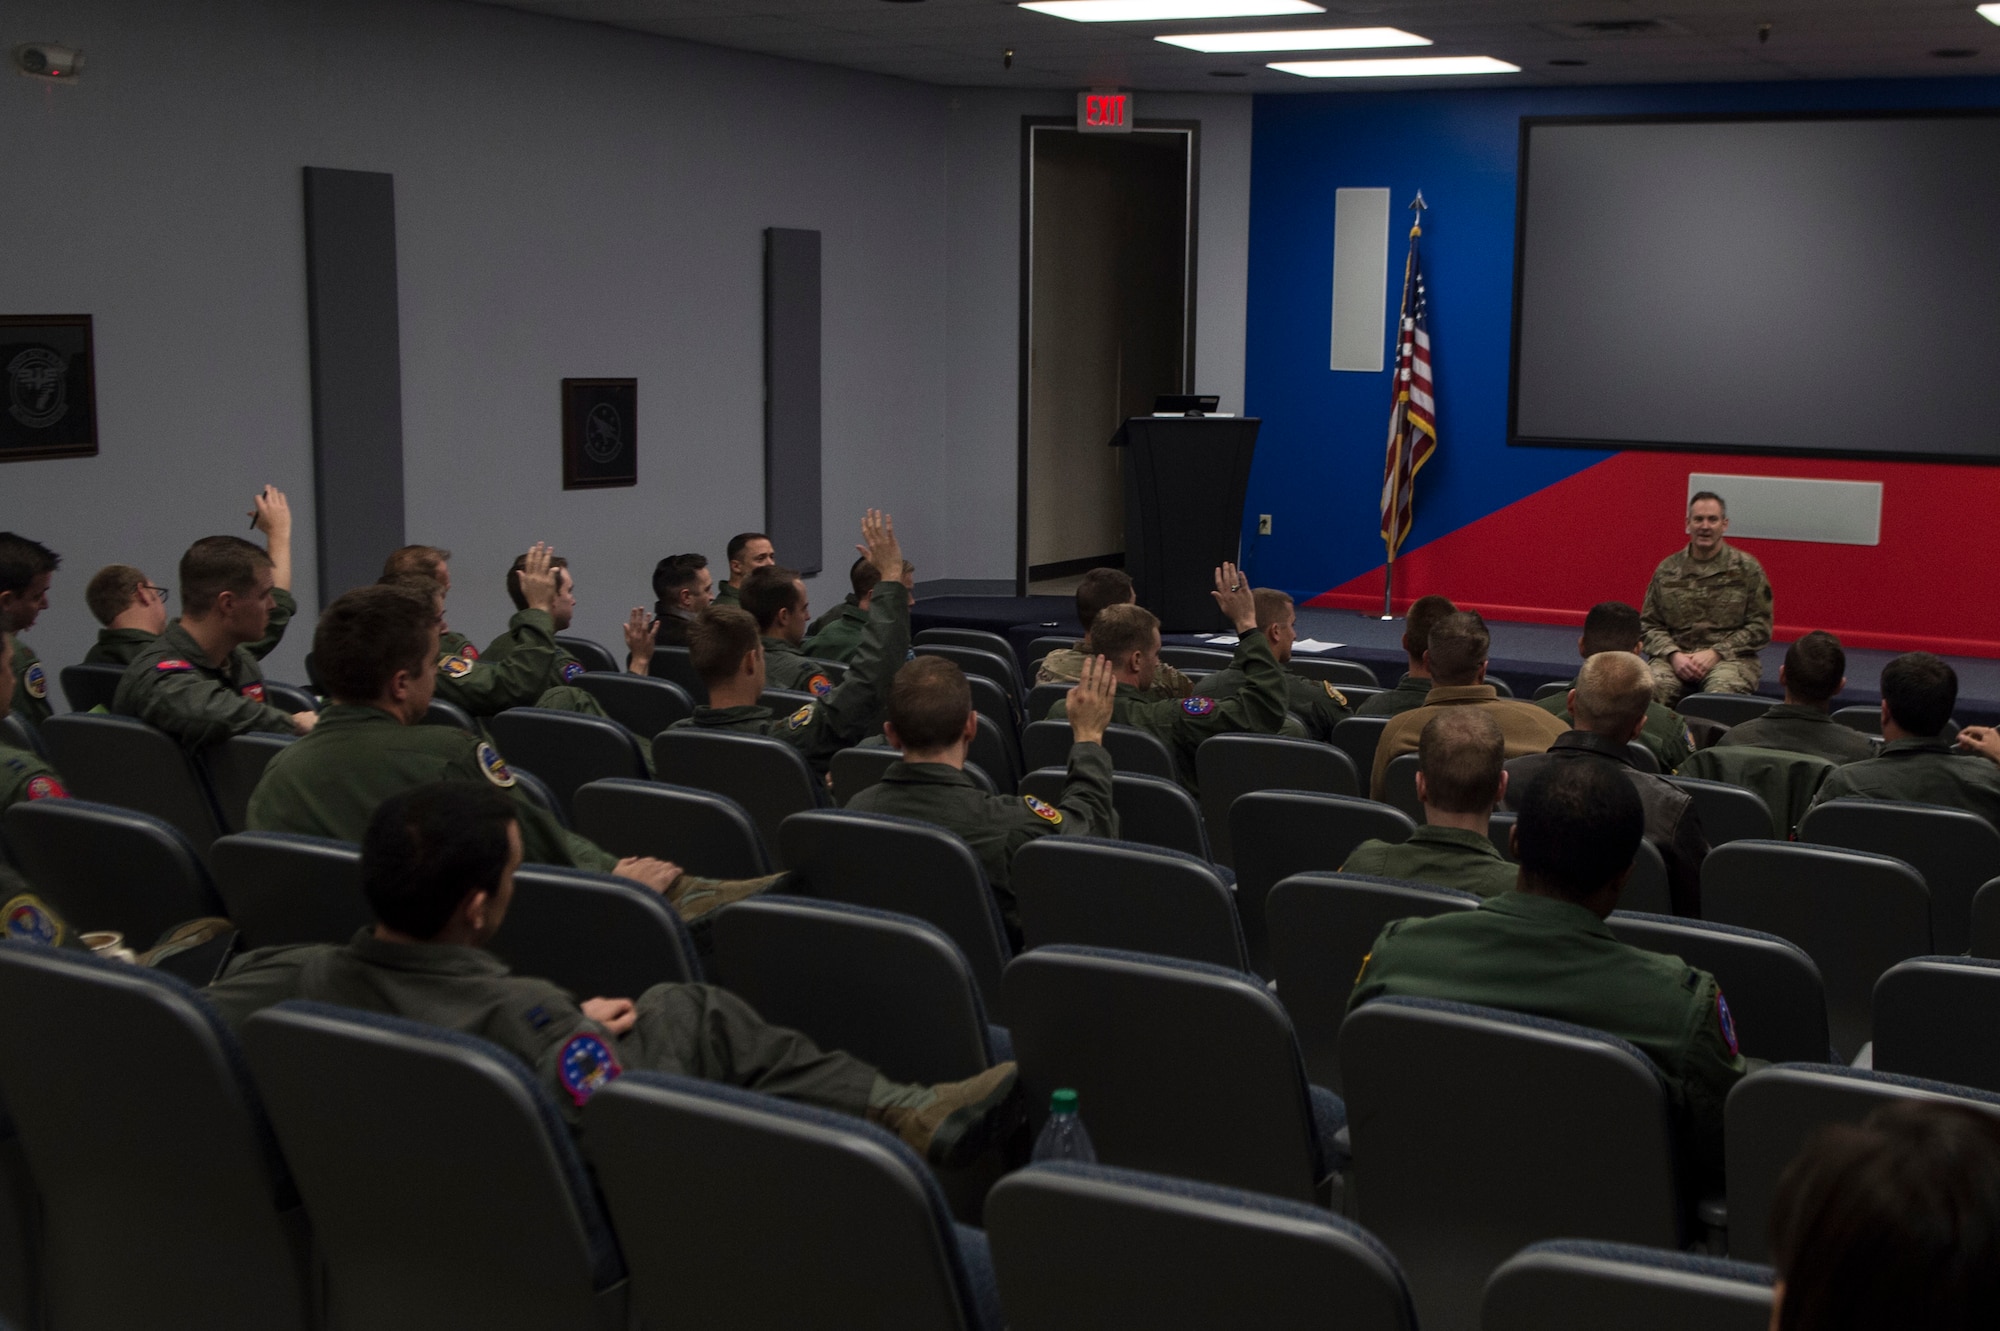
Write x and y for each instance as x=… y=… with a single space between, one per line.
x=1107 y=324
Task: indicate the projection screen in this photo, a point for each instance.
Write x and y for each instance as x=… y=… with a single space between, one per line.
x=1819 y=284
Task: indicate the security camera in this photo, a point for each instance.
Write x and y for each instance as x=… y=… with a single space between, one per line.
x=46 y=60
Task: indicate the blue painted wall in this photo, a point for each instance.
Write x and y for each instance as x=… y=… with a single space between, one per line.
x=1319 y=457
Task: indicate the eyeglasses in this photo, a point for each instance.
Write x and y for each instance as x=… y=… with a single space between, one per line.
x=160 y=592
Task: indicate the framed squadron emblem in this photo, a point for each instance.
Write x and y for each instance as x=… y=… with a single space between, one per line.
x=600 y=433
x=50 y=385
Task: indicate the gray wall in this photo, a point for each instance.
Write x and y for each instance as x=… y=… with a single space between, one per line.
x=571 y=200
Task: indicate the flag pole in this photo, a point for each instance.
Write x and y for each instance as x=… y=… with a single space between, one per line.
x=1417 y=207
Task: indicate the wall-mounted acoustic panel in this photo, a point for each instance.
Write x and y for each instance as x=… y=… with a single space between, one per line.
x=1786 y=508
x=1360 y=278
x=792 y=396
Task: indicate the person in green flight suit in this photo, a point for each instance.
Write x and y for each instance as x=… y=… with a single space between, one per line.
x=24 y=774
x=776 y=598
x=747 y=551
x=728 y=653
x=637 y=628
x=1415 y=685
x=1814 y=673
x=1545 y=950
x=1316 y=705
x=1096 y=592
x=836 y=635
x=1461 y=776
x=1613 y=626
x=1917 y=764
x=1129 y=637
x=26 y=568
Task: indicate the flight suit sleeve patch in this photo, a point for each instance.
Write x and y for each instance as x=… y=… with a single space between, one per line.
x=1726 y=1023
x=469 y=652
x=797 y=720
x=46 y=788
x=495 y=767
x=571 y=670
x=28 y=920
x=37 y=681
x=172 y=665
x=538 y=1017
x=587 y=1065
x=1333 y=693
x=457 y=667
x=1042 y=809
x=819 y=686
x=1197 y=705
x=254 y=692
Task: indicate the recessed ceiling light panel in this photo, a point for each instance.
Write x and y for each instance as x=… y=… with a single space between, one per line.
x=1297 y=39
x=1154 y=11
x=1991 y=13
x=1396 y=69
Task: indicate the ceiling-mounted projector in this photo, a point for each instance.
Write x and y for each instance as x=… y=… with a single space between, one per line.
x=46 y=60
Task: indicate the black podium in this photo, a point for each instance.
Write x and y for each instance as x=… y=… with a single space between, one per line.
x=1185 y=477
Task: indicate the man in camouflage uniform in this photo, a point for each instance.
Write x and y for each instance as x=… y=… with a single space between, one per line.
x=1460 y=778
x=1707 y=611
x=1100 y=589
x=1316 y=705
x=776 y=598
x=24 y=774
x=25 y=570
x=1613 y=626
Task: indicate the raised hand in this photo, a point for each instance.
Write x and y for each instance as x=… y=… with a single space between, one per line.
x=878 y=531
x=539 y=577
x=1235 y=598
x=638 y=628
x=1089 y=704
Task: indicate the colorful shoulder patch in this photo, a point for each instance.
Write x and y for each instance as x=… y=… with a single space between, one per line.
x=570 y=670
x=1725 y=1022
x=1198 y=705
x=457 y=667
x=495 y=767
x=798 y=719
x=1042 y=809
x=25 y=918
x=254 y=692
x=173 y=664
x=819 y=686
x=37 y=680
x=46 y=788
x=469 y=652
x=587 y=1066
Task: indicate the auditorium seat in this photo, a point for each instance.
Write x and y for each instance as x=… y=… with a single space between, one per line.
x=768 y=777
x=1082 y=1247
x=1477 y=1132
x=745 y=1211
x=290 y=697
x=88 y=686
x=285 y=887
x=1340 y=674
x=707 y=834
x=1577 y=1285
x=1151 y=810
x=1095 y=892
x=642 y=705
x=1047 y=744
x=1552 y=688
x=1643 y=758
x=1729 y=813
x=594 y=655
x=1784 y=780
x=595 y=934
x=855 y=769
x=456 y=1200
x=672 y=663
x=1773 y=1112
x=122 y=761
x=1278 y=833
x=978 y=639
x=1986 y=920
x=1955 y=850
x=567 y=750
x=997 y=751
x=1399 y=786
x=1731 y=709
x=1196 y=661
x=1001 y=669
x=102 y=867
x=1178 y=1067
x=443 y=713
x=20 y=1239
x=1233 y=765
x=1041 y=647
x=1647 y=890
x=784 y=702
x=991 y=699
x=1322 y=926
x=905 y=866
x=1042 y=697
x=1357 y=736
x=234 y=767
x=1855 y=914
x=1499 y=830
x=164 y=1200
x=1775 y=993
x=20 y=733
x=1935 y=1017
x=538 y=791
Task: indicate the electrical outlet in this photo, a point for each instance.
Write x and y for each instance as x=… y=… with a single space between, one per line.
x=1263 y=524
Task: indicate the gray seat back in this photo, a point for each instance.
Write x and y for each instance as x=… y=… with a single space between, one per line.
x=1729 y=708
x=1322 y=926
x=766 y=776
x=593 y=933
x=1647 y=889
x=1772 y=1112
x=707 y=834
x=1179 y=1068
x=823 y=968
x=1954 y=849
x=20 y=733
x=1047 y=744
x=642 y=705
x=20 y=1237
x=444 y=713
x=864 y=1233
x=1196 y=661
x=1357 y=736
x=117 y=760
x=1853 y=913
x=856 y=769
x=1776 y=997
x=1477 y=1132
x=905 y=866
x=1042 y=646
x=1934 y=1017
x=671 y=663
x=164 y=1201
x=1986 y=920
x=415 y=1225
x=1643 y=758
x=1278 y=833
x=88 y=686
x=1728 y=813
x=233 y=769
x=1864 y=717
x=290 y=697
x=102 y=867
x=1151 y=810
x=1552 y=688
x=1094 y=892
x=567 y=750
x=996 y=666
x=1399 y=786
x=1230 y=765
x=978 y=638
x=1574 y=1285
x=284 y=887
x=1499 y=830
x=1080 y=1247
x=997 y=752
x=1042 y=697
x=594 y=655
x=1340 y=674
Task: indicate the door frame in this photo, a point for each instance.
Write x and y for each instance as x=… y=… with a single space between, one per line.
x=1191 y=201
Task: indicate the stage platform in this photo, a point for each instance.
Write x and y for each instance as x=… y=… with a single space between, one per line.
x=1525 y=655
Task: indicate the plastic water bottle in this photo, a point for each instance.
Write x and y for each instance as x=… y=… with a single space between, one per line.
x=1063 y=1137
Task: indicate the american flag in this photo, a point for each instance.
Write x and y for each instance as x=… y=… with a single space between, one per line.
x=1412 y=417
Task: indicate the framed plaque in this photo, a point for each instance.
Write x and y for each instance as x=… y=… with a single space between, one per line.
x=51 y=387
x=600 y=433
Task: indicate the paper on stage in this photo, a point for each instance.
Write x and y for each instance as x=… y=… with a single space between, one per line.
x=1302 y=645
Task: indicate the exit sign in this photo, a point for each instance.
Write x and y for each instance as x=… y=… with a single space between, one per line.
x=1104 y=112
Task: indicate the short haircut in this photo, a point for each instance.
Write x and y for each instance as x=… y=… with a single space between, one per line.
x=1457 y=646
x=22 y=561
x=675 y=572
x=1613 y=691
x=862 y=576
x=424 y=559
x=1700 y=495
x=1423 y=616
x=423 y=584
x=112 y=590
x=1894 y=1221
x=1579 y=826
x=428 y=849
x=741 y=539
x=1815 y=665
x=1920 y=690
x=1461 y=752
x=217 y=564
x=514 y=578
x=928 y=703
x=718 y=640
x=1122 y=629
x=1611 y=626
x=1271 y=604
x=1100 y=589
x=769 y=592
x=367 y=635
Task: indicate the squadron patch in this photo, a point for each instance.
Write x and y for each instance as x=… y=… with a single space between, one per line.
x=1197 y=705
x=819 y=686
x=469 y=652
x=587 y=1066
x=1333 y=693
x=171 y=666
x=495 y=767
x=46 y=788
x=37 y=680
x=1042 y=809
x=1726 y=1022
x=28 y=920
x=254 y=692
x=455 y=666
x=798 y=719
x=570 y=670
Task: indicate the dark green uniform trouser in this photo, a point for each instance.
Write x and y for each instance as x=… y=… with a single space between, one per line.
x=701 y=1031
